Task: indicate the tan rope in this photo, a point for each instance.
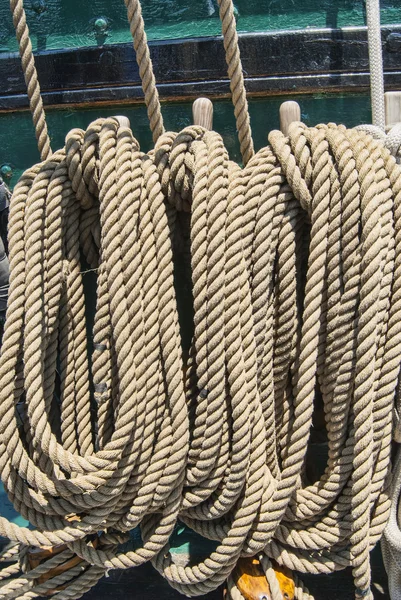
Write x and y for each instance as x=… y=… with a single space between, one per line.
x=31 y=78
x=236 y=76
x=391 y=542
x=33 y=88
x=274 y=317
x=143 y=59
x=137 y=27
x=391 y=139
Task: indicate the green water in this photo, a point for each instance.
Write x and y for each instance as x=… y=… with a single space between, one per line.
x=18 y=143
x=70 y=24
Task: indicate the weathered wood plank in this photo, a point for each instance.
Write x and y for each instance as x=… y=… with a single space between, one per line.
x=302 y=61
x=257 y=87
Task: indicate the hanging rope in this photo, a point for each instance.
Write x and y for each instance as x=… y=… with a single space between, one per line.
x=31 y=78
x=375 y=63
x=236 y=76
x=137 y=26
x=391 y=542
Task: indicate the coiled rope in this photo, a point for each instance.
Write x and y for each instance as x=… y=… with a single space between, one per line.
x=296 y=284
x=391 y=542
x=295 y=270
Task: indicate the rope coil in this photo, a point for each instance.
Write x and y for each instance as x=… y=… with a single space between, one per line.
x=295 y=264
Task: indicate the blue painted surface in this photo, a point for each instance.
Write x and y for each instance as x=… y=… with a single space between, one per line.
x=61 y=24
x=18 y=143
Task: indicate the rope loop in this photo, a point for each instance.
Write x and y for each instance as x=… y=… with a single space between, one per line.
x=294 y=269
x=146 y=73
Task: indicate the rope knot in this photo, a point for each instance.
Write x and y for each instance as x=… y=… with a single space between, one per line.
x=391 y=140
x=82 y=155
x=174 y=160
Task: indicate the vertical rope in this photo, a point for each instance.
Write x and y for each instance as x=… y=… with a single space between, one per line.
x=236 y=76
x=137 y=26
x=376 y=62
x=31 y=78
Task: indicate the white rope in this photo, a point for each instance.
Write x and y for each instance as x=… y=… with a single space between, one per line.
x=375 y=62
x=392 y=139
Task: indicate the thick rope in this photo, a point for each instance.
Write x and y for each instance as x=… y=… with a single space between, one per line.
x=391 y=139
x=137 y=27
x=296 y=274
x=236 y=76
x=223 y=451
x=391 y=542
x=31 y=78
x=143 y=59
x=375 y=63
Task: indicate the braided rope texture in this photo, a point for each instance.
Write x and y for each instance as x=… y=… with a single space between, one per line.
x=376 y=63
x=295 y=266
x=137 y=27
x=391 y=138
x=31 y=78
x=235 y=73
x=391 y=541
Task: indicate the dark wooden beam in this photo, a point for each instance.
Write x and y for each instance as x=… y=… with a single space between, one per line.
x=275 y=63
x=342 y=82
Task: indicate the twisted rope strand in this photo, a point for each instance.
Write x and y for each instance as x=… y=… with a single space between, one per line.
x=236 y=76
x=137 y=27
x=31 y=78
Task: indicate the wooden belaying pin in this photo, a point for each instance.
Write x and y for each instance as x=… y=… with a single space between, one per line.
x=290 y=112
x=202 y=112
x=250 y=579
x=124 y=121
x=39 y=556
x=392 y=106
